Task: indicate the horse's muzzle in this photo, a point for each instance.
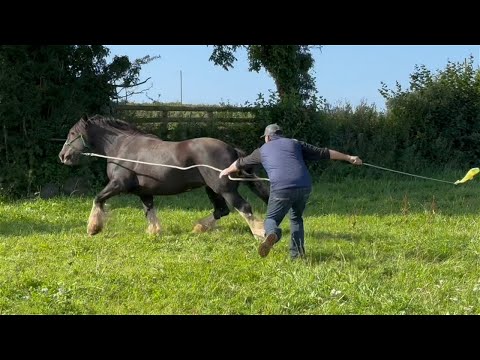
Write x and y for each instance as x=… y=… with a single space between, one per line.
x=66 y=159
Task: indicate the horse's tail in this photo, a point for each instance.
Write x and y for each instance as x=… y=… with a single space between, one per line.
x=260 y=188
x=240 y=152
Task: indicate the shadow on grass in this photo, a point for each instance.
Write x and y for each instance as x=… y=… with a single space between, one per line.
x=376 y=199
x=325 y=236
x=329 y=201
x=332 y=254
x=26 y=226
x=325 y=256
x=195 y=200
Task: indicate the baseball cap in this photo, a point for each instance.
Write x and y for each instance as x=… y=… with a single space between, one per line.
x=272 y=129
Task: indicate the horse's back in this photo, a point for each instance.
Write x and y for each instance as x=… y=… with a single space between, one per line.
x=164 y=180
x=208 y=142
x=215 y=152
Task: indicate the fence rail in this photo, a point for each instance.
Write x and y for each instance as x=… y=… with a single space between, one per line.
x=185 y=114
x=212 y=108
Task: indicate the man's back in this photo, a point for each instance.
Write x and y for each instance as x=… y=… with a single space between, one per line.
x=283 y=161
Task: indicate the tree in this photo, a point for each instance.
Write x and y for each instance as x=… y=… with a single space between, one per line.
x=288 y=65
x=44 y=89
x=439 y=114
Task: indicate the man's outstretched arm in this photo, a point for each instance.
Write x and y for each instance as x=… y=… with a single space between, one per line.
x=337 y=155
x=253 y=159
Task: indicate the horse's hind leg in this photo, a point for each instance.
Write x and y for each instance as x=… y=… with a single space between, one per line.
x=150 y=214
x=220 y=208
x=96 y=221
x=261 y=189
x=245 y=210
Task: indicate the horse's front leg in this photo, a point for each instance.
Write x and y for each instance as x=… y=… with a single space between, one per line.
x=96 y=221
x=220 y=209
x=150 y=214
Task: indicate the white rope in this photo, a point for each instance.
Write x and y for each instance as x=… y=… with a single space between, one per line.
x=174 y=167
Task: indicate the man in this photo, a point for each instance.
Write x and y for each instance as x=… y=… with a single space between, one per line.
x=290 y=183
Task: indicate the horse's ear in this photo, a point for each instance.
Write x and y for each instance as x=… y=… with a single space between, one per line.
x=84 y=117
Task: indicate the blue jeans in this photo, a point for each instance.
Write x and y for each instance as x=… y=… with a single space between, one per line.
x=280 y=203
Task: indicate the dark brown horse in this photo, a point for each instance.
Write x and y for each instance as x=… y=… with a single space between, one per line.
x=117 y=138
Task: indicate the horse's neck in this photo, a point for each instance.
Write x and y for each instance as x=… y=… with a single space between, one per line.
x=107 y=144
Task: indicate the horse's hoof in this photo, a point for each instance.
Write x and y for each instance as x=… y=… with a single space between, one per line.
x=93 y=232
x=199 y=228
x=258 y=232
x=94 y=227
x=153 y=230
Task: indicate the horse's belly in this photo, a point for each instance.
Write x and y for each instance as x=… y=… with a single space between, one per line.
x=168 y=185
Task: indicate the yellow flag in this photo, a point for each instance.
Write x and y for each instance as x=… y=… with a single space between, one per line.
x=470 y=175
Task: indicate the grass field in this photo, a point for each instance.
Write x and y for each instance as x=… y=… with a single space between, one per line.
x=373 y=247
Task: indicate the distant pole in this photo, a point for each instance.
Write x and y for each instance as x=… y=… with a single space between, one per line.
x=181 y=88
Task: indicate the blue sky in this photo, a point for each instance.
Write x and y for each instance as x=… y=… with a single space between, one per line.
x=344 y=73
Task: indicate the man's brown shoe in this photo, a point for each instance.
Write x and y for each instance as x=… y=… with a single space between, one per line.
x=267 y=244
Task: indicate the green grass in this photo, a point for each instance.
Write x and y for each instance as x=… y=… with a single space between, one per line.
x=373 y=247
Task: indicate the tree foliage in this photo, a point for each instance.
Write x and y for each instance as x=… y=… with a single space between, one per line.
x=289 y=65
x=438 y=117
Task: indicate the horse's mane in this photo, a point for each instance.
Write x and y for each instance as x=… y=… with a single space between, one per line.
x=114 y=124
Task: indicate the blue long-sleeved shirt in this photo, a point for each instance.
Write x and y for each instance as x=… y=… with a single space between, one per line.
x=284 y=161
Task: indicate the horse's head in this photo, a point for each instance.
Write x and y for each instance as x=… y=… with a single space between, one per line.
x=77 y=142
